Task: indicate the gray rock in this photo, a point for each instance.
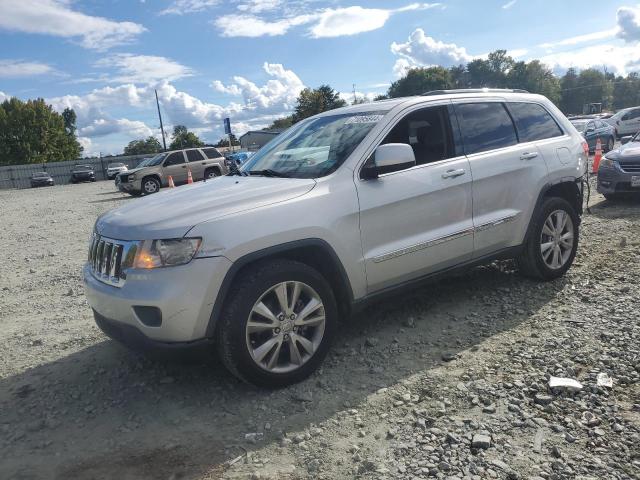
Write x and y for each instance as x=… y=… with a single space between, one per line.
x=481 y=441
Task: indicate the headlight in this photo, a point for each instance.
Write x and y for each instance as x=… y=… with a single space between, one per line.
x=606 y=162
x=166 y=253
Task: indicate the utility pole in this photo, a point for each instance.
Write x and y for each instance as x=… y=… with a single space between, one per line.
x=354 y=94
x=164 y=142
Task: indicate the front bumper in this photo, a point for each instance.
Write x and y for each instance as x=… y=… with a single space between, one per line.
x=184 y=294
x=127 y=187
x=614 y=180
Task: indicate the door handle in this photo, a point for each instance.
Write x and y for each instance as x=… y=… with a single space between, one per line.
x=454 y=173
x=528 y=155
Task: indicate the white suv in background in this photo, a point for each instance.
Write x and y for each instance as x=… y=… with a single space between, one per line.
x=339 y=210
x=625 y=121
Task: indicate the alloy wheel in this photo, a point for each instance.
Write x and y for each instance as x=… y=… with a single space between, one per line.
x=285 y=327
x=556 y=239
x=150 y=186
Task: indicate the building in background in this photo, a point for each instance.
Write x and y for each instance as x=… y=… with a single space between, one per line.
x=255 y=139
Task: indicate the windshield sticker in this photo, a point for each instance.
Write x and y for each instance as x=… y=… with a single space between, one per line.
x=364 y=119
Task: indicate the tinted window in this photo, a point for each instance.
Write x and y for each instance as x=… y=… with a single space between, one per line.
x=211 y=152
x=428 y=131
x=485 y=126
x=194 y=156
x=174 y=158
x=533 y=122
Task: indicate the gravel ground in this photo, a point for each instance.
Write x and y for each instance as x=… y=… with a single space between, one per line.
x=449 y=381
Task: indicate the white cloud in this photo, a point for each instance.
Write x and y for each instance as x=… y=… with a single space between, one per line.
x=144 y=68
x=617 y=59
x=252 y=26
x=3 y=97
x=180 y=7
x=508 y=5
x=600 y=35
x=421 y=50
x=57 y=18
x=19 y=68
x=101 y=127
x=628 y=19
x=330 y=22
x=257 y=6
x=260 y=105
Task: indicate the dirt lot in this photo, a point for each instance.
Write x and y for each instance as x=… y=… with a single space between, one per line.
x=449 y=381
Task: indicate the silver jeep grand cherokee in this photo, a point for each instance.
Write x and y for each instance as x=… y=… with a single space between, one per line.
x=340 y=209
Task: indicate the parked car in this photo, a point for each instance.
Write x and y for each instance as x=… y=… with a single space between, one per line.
x=340 y=210
x=625 y=121
x=114 y=169
x=153 y=173
x=41 y=179
x=83 y=173
x=594 y=129
x=619 y=171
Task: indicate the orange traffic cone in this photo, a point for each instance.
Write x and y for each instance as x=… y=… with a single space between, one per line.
x=597 y=157
x=189 y=177
x=171 y=184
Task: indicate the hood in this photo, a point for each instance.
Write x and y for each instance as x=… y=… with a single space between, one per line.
x=134 y=170
x=629 y=152
x=173 y=212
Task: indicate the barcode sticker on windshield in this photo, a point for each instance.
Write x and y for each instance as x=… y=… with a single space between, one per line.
x=364 y=119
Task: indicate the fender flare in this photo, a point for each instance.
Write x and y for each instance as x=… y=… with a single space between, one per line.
x=273 y=252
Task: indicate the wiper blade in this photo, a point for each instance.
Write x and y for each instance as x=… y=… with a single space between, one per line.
x=234 y=170
x=268 y=173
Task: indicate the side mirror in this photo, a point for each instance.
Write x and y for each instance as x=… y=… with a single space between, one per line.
x=626 y=139
x=390 y=158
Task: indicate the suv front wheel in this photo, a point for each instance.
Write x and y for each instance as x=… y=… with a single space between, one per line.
x=553 y=241
x=277 y=326
x=150 y=185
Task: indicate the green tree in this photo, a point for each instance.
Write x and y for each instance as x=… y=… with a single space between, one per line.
x=626 y=91
x=420 y=80
x=182 y=138
x=281 y=123
x=224 y=142
x=318 y=100
x=32 y=132
x=69 y=117
x=143 y=146
x=535 y=78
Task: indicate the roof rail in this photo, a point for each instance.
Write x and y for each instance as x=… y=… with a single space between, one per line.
x=474 y=90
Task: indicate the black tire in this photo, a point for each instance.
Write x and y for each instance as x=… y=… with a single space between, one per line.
x=210 y=173
x=231 y=329
x=611 y=196
x=135 y=194
x=530 y=261
x=149 y=180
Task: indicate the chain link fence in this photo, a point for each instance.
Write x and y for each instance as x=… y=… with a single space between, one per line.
x=19 y=176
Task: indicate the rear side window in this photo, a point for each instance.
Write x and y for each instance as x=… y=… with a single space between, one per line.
x=174 y=158
x=533 y=122
x=194 y=156
x=485 y=126
x=211 y=153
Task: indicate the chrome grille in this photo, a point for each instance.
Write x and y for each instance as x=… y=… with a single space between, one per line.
x=630 y=167
x=109 y=258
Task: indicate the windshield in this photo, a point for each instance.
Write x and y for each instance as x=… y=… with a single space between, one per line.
x=313 y=148
x=82 y=167
x=116 y=165
x=40 y=174
x=150 y=162
x=580 y=125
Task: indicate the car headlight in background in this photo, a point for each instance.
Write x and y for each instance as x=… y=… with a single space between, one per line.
x=607 y=162
x=166 y=253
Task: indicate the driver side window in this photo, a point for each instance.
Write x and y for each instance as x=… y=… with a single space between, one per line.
x=174 y=158
x=428 y=131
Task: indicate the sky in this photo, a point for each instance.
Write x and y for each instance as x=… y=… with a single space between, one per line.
x=249 y=59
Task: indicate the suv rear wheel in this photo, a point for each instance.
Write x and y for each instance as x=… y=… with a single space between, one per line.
x=277 y=326
x=211 y=173
x=553 y=241
x=150 y=185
